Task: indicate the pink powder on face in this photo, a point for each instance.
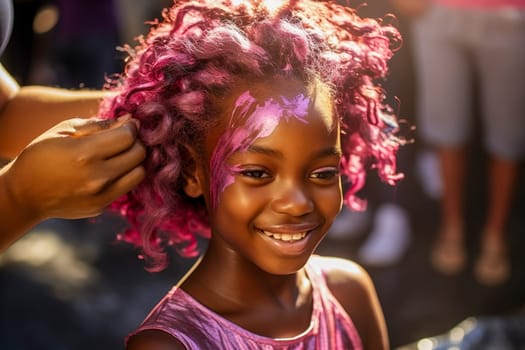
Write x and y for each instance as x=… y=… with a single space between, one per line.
x=250 y=119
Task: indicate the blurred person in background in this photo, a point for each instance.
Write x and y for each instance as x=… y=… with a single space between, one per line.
x=134 y=19
x=84 y=43
x=464 y=47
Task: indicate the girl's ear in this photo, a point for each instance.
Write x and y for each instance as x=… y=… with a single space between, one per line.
x=193 y=176
x=193 y=186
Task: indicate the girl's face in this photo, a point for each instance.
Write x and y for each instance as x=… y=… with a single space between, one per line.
x=273 y=176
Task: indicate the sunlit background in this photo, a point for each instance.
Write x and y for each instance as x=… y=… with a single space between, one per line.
x=69 y=285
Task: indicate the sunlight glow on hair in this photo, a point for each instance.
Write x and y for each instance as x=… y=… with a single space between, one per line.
x=271 y=5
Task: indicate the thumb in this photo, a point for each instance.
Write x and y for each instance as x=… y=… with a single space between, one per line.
x=85 y=127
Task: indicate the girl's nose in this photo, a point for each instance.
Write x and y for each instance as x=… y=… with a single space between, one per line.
x=292 y=200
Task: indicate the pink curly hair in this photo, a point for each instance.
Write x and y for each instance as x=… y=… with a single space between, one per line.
x=193 y=56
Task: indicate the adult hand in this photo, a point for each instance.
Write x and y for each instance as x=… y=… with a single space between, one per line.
x=76 y=168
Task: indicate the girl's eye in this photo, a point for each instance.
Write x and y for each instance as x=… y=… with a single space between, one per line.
x=325 y=174
x=255 y=173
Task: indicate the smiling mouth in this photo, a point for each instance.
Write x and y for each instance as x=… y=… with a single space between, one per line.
x=286 y=237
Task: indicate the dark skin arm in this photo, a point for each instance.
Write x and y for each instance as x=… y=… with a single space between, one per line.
x=154 y=340
x=71 y=171
x=354 y=290
x=26 y=112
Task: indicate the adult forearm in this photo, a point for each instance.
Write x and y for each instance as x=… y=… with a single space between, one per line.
x=15 y=218
x=34 y=109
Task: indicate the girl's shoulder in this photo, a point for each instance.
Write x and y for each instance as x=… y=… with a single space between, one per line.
x=341 y=273
x=348 y=281
x=353 y=288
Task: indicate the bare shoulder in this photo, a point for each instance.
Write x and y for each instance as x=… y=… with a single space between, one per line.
x=154 y=340
x=354 y=289
x=343 y=275
x=349 y=282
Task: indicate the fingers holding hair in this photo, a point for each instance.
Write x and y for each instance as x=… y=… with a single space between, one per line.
x=85 y=127
x=124 y=162
x=117 y=137
x=120 y=186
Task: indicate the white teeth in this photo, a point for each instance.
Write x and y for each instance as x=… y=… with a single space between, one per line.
x=286 y=237
x=297 y=236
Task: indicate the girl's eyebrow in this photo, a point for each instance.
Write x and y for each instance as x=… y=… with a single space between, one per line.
x=327 y=152
x=332 y=151
x=265 y=151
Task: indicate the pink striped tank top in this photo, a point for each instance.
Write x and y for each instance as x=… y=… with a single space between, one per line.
x=197 y=327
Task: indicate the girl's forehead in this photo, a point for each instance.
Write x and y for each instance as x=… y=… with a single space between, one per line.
x=254 y=111
x=265 y=104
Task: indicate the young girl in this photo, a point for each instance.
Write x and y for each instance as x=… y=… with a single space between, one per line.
x=251 y=113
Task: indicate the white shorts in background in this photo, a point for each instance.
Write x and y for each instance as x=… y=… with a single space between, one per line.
x=461 y=52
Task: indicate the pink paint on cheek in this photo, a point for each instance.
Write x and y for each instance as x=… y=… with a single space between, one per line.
x=250 y=119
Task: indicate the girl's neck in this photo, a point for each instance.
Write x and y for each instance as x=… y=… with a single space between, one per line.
x=228 y=283
x=265 y=304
